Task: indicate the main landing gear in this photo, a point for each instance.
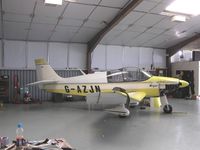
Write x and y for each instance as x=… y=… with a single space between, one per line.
x=125 y=108
x=121 y=110
x=167 y=108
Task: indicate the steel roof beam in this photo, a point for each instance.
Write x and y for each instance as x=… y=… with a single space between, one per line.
x=91 y=45
x=173 y=49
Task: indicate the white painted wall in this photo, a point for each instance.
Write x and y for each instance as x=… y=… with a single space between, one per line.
x=111 y=57
x=58 y=55
x=187 y=56
x=99 y=57
x=159 y=58
x=131 y=58
x=114 y=57
x=195 y=66
x=14 y=54
x=21 y=54
x=36 y=50
x=77 y=56
x=146 y=58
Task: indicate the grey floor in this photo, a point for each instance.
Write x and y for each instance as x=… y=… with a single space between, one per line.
x=97 y=130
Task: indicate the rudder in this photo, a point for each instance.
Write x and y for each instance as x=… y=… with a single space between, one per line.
x=44 y=71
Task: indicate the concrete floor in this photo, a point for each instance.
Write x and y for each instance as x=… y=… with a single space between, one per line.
x=97 y=130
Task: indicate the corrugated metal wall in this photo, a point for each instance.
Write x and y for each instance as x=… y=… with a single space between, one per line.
x=29 y=76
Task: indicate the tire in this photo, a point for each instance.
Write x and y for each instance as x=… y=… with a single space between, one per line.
x=167 y=109
x=122 y=116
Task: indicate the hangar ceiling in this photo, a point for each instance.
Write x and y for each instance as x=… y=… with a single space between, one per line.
x=146 y=27
x=72 y=22
x=80 y=21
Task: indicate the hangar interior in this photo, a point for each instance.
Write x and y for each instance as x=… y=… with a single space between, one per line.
x=97 y=35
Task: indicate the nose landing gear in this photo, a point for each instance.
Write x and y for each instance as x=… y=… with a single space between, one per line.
x=167 y=107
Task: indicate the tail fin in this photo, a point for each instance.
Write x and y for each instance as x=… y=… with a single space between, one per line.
x=44 y=71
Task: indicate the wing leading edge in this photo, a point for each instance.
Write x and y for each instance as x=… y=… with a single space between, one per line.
x=138 y=96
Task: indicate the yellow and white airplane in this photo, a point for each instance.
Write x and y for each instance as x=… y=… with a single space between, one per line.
x=131 y=82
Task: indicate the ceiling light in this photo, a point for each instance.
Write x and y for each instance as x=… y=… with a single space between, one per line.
x=189 y=7
x=180 y=34
x=71 y=0
x=177 y=34
x=53 y=2
x=178 y=18
x=165 y=13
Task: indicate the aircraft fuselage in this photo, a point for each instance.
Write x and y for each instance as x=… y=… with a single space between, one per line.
x=85 y=89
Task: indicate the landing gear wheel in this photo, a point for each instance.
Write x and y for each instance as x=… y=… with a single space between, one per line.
x=122 y=116
x=125 y=114
x=167 y=109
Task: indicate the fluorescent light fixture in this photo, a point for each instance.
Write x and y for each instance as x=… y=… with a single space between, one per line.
x=71 y=1
x=189 y=7
x=178 y=34
x=53 y=2
x=178 y=18
x=181 y=34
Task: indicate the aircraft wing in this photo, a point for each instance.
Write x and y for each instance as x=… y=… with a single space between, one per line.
x=43 y=82
x=138 y=96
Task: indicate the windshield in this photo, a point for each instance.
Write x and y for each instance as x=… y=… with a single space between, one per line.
x=146 y=73
x=127 y=75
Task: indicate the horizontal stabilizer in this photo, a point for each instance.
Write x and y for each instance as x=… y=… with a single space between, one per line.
x=43 y=82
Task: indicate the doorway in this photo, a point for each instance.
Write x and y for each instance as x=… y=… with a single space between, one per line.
x=187 y=75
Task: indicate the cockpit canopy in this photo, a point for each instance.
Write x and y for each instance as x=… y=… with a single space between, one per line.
x=127 y=75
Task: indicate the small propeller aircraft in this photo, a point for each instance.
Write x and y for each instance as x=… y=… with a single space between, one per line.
x=134 y=83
